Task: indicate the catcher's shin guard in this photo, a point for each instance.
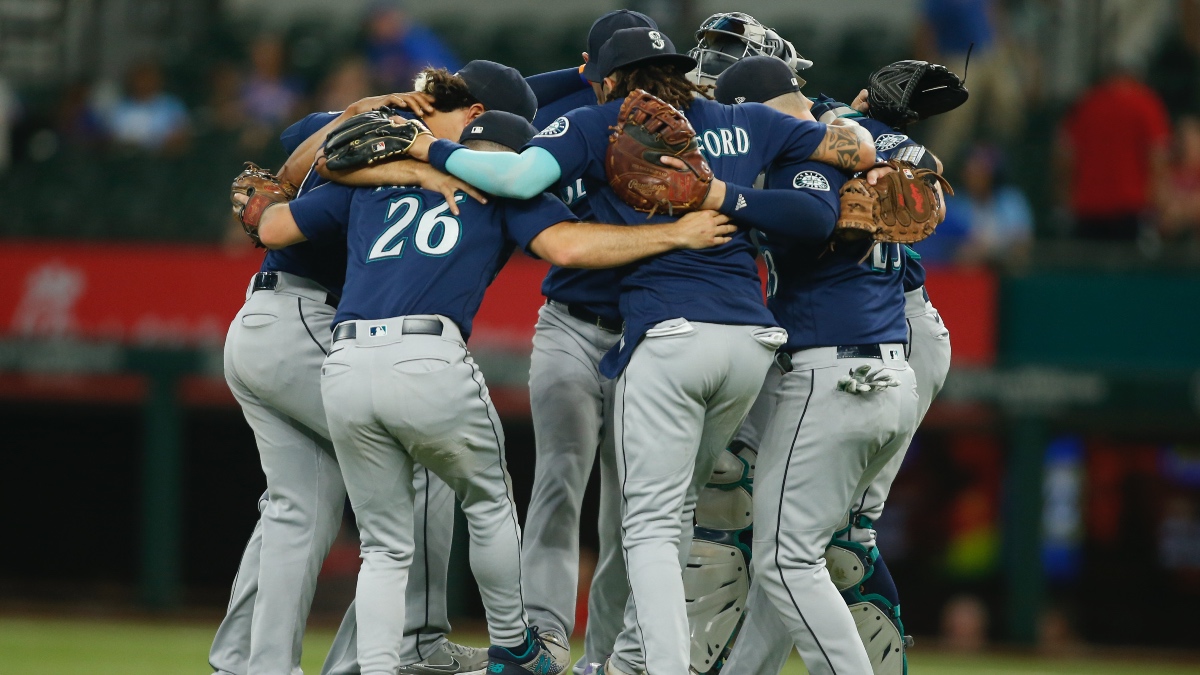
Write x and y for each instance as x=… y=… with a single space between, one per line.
x=717 y=577
x=866 y=585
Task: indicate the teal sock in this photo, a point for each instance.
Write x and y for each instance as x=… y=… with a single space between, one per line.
x=523 y=651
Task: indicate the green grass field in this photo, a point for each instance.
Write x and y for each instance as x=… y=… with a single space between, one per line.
x=83 y=647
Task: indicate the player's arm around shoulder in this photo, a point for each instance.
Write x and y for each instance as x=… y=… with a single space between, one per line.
x=596 y=245
x=846 y=146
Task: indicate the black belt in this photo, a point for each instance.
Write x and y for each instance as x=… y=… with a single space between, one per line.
x=603 y=323
x=268 y=281
x=784 y=359
x=348 y=330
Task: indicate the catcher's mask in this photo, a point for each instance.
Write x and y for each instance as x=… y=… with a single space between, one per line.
x=726 y=38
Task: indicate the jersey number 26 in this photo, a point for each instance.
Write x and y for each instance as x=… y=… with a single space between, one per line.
x=438 y=231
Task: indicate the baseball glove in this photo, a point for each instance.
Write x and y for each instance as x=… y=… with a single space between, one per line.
x=370 y=137
x=909 y=91
x=647 y=130
x=262 y=189
x=901 y=208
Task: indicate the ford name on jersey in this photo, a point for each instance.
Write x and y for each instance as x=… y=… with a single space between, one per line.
x=724 y=142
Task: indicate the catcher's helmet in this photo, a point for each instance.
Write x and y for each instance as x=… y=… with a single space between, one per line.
x=726 y=38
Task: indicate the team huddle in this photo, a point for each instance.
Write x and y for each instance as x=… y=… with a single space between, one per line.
x=746 y=448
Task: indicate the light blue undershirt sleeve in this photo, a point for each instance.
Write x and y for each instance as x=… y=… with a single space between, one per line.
x=506 y=174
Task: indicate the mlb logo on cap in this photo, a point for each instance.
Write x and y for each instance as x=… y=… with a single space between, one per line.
x=378 y=147
x=378 y=331
x=477 y=130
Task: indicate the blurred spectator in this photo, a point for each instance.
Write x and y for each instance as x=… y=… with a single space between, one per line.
x=1175 y=73
x=964 y=624
x=223 y=110
x=998 y=221
x=398 y=48
x=1180 y=215
x=268 y=98
x=1111 y=151
x=947 y=30
x=349 y=82
x=145 y=117
x=76 y=120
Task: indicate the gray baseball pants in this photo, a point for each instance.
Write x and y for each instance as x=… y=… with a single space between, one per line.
x=820 y=449
x=678 y=403
x=426 y=616
x=394 y=398
x=571 y=405
x=273 y=354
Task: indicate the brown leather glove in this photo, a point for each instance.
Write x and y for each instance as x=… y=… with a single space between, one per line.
x=262 y=188
x=901 y=208
x=647 y=130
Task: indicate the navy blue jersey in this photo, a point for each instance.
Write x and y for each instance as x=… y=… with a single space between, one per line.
x=597 y=291
x=715 y=285
x=325 y=263
x=887 y=142
x=409 y=255
x=827 y=298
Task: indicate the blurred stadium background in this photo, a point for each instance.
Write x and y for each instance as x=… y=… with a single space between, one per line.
x=1050 y=504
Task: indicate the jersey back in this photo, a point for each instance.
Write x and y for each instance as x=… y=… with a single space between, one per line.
x=715 y=285
x=850 y=295
x=408 y=254
x=324 y=264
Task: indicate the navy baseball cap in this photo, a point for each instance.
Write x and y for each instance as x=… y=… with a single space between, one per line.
x=631 y=46
x=756 y=79
x=499 y=87
x=603 y=29
x=511 y=131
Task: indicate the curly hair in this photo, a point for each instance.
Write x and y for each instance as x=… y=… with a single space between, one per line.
x=449 y=91
x=664 y=81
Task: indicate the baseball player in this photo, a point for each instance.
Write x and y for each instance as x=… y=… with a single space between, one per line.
x=572 y=403
x=273 y=354
x=697 y=340
x=400 y=386
x=810 y=287
x=903 y=92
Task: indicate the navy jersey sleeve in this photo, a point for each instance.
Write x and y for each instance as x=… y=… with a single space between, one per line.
x=800 y=202
x=783 y=138
x=324 y=211
x=293 y=136
x=556 y=84
x=567 y=140
x=524 y=220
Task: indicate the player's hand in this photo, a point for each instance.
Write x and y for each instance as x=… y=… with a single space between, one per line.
x=716 y=190
x=418 y=102
x=432 y=179
x=864 y=380
x=702 y=229
x=878 y=172
x=860 y=102
x=239 y=203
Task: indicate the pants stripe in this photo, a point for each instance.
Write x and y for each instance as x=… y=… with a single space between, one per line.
x=779 y=520
x=304 y=323
x=625 y=501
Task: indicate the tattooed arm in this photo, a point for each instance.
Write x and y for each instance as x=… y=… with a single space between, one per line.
x=846 y=146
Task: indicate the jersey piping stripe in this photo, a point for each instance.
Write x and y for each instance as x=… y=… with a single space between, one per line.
x=512 y=508
x=625 y=503
x=779 y=522
x=425 y=558
x=300 y=310
x=908 y=345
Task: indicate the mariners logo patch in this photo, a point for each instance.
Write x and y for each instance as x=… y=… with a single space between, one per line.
x=886 y=142
x=810 y=180
x=556 y=128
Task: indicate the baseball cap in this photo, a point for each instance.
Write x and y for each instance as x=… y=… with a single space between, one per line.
x=630 y=46
x=603 y=29
x=511 y=131
x=499 y=87
x=756 y=79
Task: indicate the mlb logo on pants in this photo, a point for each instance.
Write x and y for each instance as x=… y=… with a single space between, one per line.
x=378 y=331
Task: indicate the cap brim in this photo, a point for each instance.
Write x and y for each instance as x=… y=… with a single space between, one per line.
x=683 y=62
x=591 y=71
